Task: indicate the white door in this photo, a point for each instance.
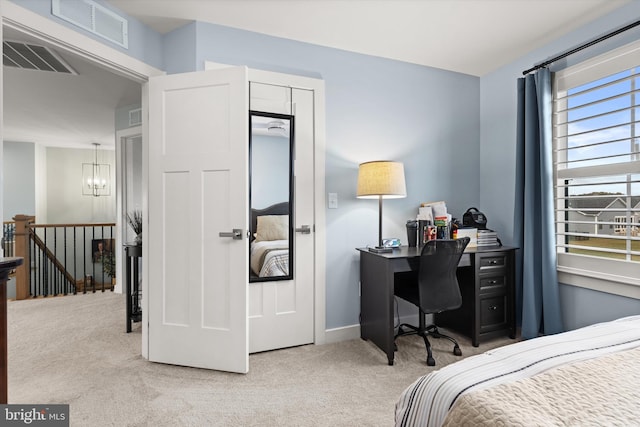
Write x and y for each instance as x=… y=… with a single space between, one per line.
x=281 y=313
x=198 y=186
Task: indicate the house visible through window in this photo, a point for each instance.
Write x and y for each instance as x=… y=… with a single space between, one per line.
x=597 y=166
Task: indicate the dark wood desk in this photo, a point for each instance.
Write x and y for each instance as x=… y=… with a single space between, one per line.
x=486 y=277
x=6 y=265
x=132 y=284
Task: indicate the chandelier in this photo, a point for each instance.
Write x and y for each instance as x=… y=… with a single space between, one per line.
x=96 y=177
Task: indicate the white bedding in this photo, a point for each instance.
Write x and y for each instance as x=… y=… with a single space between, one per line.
x=270 y=258
x=428 y=400
x=602 y=391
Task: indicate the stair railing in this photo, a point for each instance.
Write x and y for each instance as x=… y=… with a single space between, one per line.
x=62 y=259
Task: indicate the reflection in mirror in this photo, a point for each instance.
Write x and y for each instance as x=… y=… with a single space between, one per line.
x=270 y=197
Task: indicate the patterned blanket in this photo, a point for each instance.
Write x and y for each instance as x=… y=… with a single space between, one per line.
x=270 y=258
x=430 y=398
x=597 y=392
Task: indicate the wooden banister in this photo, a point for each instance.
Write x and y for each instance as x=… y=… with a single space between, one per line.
x=23 y=275
x=51 y=257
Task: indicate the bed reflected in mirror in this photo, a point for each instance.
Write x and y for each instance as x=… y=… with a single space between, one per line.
x=270 y=196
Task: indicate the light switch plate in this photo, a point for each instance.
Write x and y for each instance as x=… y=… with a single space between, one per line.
x=333 y=200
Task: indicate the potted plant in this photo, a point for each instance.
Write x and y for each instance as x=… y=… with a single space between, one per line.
x=135 y=222
x=109 y=265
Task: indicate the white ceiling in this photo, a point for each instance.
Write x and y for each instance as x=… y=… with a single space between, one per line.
x=63 y=110
x=468 y=36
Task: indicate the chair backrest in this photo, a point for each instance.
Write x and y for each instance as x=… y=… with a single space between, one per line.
x=438 y=285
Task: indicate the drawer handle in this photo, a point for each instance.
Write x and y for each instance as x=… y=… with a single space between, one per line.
x=493 y=308
x=493 y=262
x=493 y=282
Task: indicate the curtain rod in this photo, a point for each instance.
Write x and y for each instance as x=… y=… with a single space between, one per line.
x=579 y=48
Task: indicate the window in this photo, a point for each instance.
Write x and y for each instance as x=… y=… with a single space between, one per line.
x=596 y=131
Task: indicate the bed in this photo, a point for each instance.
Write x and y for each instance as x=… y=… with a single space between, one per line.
x=585 y=377
x=269 y=248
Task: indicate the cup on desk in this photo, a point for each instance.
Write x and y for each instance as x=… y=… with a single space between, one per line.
x=412 y=233
x=426 y=232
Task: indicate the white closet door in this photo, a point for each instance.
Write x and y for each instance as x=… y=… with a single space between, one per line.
x=198 y=187
x=281 y=313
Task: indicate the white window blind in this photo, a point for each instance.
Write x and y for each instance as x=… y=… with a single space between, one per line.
x=597 y=166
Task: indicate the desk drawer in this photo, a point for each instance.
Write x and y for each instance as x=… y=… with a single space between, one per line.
x=495 y=283
x=491 y=261
x=493 y=313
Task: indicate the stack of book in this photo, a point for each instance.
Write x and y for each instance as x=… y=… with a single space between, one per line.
x=487 y=238
x=471 y=233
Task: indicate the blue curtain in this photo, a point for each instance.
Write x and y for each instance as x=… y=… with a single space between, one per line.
x=537 y=282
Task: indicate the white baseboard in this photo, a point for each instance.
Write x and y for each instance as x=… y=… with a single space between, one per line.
x=352 y=332
x=344 y=333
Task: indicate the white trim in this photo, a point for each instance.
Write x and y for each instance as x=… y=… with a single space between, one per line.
x=343 y=333
x=320 y=212
x=145 y=219
x=582 y=279
x=121 y=135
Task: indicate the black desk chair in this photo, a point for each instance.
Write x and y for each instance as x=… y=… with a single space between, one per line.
x=437 y=291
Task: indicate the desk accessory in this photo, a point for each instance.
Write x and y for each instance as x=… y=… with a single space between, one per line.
x=474 y=218
x=381 y=179
x=412 y=233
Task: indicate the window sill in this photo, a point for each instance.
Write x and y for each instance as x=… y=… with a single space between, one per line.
x=609 y=283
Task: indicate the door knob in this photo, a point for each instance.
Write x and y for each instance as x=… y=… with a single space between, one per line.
x=236 y=234
x=305 y=229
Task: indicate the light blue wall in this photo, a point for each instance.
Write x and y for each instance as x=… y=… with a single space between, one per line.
x=454 y=132
x=19 y=179
x=375 y=109
x=180 y=49
x=144 y=43
x=497 y=152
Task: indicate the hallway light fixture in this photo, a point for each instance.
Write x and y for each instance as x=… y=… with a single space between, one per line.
x=96 y=177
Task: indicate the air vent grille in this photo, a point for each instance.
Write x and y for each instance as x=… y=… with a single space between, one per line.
x=94 y=18
x=33 y=57
x=135 y=117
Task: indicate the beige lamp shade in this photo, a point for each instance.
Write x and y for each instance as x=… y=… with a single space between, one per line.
x=381 y=178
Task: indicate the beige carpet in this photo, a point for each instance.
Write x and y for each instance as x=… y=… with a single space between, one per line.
x=74 y=350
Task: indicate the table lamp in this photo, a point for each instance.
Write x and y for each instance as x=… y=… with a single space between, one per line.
x=381 y=179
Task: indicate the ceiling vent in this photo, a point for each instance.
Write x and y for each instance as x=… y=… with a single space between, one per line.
x=33 y=57
x=94 y=18
x=135 y=117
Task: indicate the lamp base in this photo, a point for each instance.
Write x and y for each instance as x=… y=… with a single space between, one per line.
x=381 y=250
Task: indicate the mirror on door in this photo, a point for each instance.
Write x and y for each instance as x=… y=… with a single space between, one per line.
x=270 y=197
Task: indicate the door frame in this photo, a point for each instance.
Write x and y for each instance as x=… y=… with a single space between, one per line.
x=64 y=38
x=121 y=215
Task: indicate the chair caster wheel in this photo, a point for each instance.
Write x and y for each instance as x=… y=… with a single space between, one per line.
x=431 y=361
x=457 y=351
